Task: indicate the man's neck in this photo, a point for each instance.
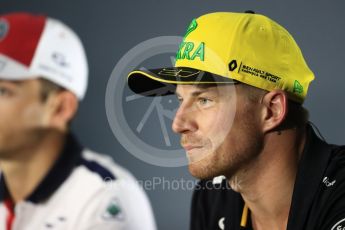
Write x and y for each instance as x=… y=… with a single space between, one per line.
x=27 y=168
x=267 y=184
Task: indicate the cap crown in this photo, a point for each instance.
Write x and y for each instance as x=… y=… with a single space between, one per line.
x=37 y=46
x=250 y=48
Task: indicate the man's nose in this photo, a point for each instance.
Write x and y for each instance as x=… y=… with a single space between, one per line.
x=184 y=120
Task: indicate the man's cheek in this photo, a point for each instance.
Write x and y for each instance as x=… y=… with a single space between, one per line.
x=33 y=116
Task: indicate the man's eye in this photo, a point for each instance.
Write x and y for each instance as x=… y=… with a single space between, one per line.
x=4 y=91
x=204 y=101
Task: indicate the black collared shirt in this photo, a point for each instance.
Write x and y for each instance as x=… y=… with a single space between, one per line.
x=318 y=201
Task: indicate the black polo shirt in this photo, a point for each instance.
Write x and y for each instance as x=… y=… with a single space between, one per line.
x=318 y=201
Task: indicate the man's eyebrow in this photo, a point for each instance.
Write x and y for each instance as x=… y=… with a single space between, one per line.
x=198 y=92
x=16 y=83
x=194 y=93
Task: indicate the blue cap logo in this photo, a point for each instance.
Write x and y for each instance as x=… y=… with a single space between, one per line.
x=3 y=28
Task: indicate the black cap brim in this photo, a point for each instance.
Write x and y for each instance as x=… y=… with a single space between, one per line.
x=159 y=82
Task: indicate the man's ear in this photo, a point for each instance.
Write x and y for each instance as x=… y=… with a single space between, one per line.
x=63 y=106
x=275 y=109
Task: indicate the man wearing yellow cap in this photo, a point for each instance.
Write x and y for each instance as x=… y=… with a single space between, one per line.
x=241 y=81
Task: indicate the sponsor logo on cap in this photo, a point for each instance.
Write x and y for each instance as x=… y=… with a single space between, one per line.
x=3 y=28
x=297 y=87
x=256 y=72
x=190 y=51
x=192 y=26
x=60 y=59
x=232 y=65
x=174 y=72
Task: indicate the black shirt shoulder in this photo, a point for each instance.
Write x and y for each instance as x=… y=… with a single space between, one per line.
x=215 y=206
x=329 y=207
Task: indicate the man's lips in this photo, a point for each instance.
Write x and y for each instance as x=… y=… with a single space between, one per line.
x=190 y=147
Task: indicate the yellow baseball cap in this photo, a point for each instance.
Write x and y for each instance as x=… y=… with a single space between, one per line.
x=227 y=47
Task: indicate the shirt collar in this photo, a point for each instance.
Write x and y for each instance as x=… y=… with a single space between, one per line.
x=61 y=169
x=311 y=169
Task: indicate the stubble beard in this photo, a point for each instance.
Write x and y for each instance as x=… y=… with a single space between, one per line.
x=240 y=148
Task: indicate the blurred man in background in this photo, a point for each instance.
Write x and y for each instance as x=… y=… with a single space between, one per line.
x=48 y=180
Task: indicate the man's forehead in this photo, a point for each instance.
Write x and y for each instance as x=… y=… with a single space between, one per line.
x=200 y=88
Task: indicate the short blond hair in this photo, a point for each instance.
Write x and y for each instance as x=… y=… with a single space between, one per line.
x=297 y=114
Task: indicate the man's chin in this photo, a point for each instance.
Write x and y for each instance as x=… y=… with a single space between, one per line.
x=207 y=168
x=202 y=170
